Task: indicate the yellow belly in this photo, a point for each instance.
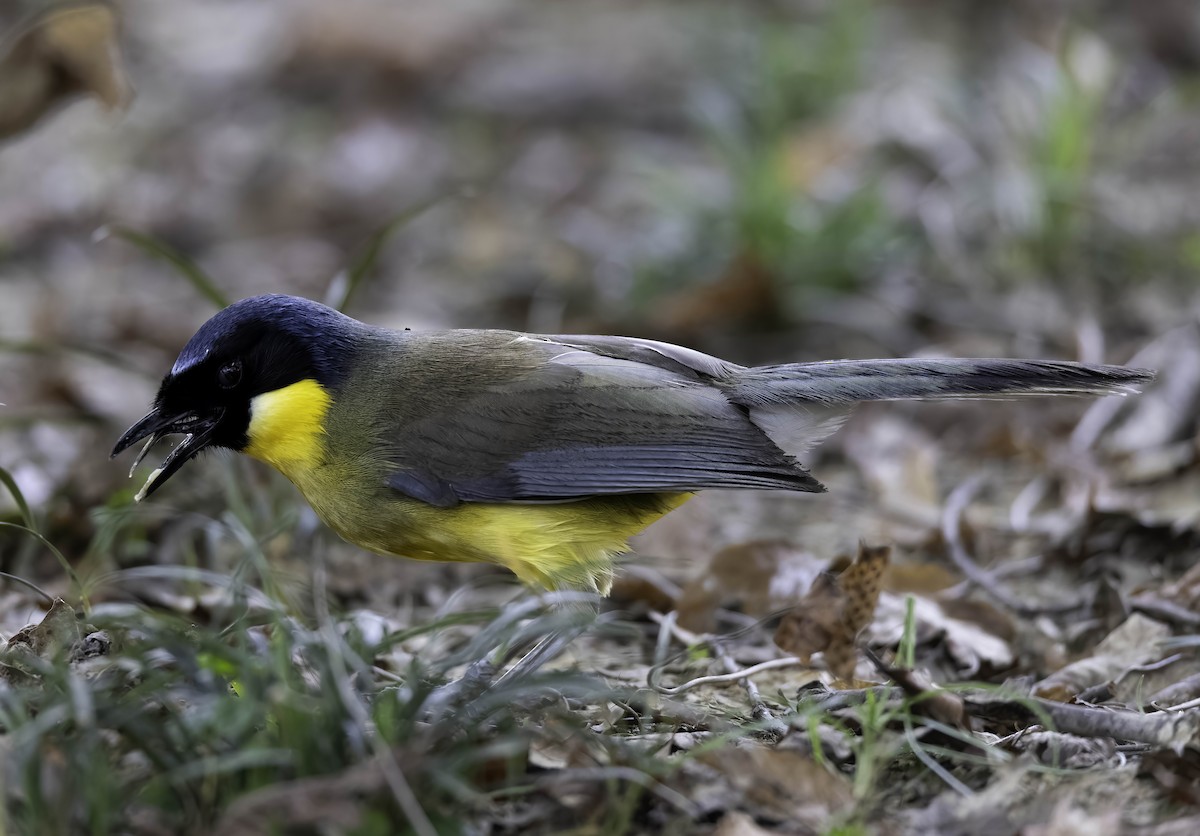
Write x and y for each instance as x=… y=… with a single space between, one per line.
x=565 y=545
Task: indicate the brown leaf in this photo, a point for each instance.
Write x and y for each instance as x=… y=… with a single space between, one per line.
x=58 y=631
x=782 y=784
x=761 y=576
x=829 y=617
x=918 y=578
x=743 y=294
x=971 y=635
x=637 y=586
x=337 y=803
x=861 y=582
x=739 y=824
x=62 y=54
x=1135 y=642
x=1070 y=820
x=1177 y=773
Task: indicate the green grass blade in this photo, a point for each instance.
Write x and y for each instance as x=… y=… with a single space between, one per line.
x=27 y=584
x=187 y=268
x=66 y=564
x=9 y=482
x=349 y=281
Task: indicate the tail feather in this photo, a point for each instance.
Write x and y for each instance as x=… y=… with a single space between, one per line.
x=800 y=404
x=851 y=381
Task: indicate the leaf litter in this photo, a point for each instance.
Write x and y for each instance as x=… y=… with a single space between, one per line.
x=1025 y=664
x=773 y=681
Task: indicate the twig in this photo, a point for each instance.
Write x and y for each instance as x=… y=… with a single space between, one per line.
x=735 y=674
x=771 y=725
x=1162 y=729
x=1164 y=611
x=1177 y=695
x=956 y=505
x=29 y=584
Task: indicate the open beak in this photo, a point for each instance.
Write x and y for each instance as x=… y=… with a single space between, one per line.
x=197 y=430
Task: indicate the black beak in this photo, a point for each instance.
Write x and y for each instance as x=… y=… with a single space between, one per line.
x=197 y=429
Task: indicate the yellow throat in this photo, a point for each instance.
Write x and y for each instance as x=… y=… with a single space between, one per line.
x=287 y=425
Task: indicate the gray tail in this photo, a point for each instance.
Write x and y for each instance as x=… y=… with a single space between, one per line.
x=850 y=381
x=800 y=404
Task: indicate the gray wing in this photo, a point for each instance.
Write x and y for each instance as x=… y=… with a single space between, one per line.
x=686 y=361
x=563 y=423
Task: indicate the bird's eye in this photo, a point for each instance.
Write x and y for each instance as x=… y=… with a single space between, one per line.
x=230 y=374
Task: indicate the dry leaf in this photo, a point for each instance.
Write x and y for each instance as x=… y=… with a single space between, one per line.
x=743 y=294
x=830 y=616
x=1070 y=820
x=898 y=460
x=739 y=824
x=1165 y=412
x=762 y=576
x=1180 y=691
x=1064 y=751
x=336 y=803
x=1185 y=591
x=636 y=585
x=57 y=632
x=782 y=784
x=62 y=54
x=1135 y=642
x=969 y=644
x=1178 y=773
x=918 y=578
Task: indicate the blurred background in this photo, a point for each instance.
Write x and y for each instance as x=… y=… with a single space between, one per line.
x=766 y=181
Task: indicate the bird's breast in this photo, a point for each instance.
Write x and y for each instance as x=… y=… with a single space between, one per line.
x=287 y=428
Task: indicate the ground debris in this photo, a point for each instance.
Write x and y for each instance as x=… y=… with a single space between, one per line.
x=829 y=617
x=776 y=785
x=59 y=636
x=1135 y=642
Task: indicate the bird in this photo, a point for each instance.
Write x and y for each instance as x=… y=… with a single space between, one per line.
x=541 y=453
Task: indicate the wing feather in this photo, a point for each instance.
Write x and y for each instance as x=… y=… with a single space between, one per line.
x=568 y=424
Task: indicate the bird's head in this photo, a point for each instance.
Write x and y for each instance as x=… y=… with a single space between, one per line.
x=222 y=388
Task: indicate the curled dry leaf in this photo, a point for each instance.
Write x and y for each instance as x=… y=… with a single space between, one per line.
x=828 y=619
x=62 y=54
x=1135 y=642
x=1180 y=691
x=57 y=632
x=1067 y=751
x=972 y=637
x=1161 y=729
